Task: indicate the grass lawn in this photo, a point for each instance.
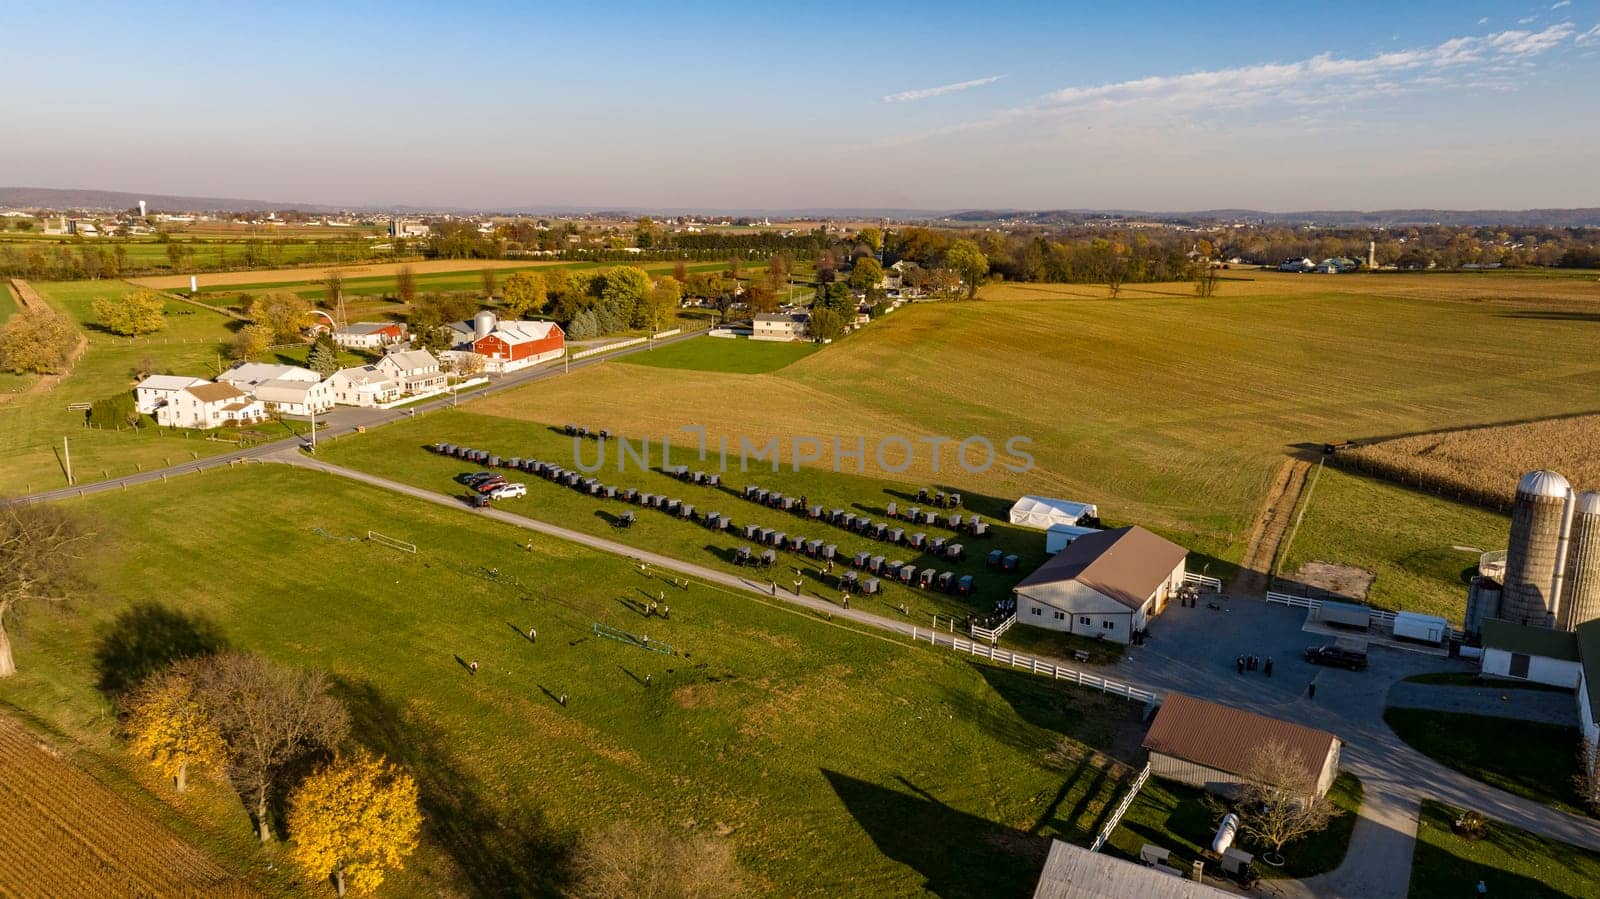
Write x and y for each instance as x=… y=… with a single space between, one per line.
x=397 y=451
x=1540 y=764
x=1406 y=538
x=1041 y=640
x=1471 y=679
x=732 y=355
x=8 y=301
x=1177 y=818
x=31 y=427
x=1162 y=408
x=809 y=745
x=1510 y=861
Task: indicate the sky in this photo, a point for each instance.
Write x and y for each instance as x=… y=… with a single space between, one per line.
x=1156 y=105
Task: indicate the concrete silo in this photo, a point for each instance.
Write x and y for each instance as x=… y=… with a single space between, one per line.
x=1581 y=579
x=1534 y=560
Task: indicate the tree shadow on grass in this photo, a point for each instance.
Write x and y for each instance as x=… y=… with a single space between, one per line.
x=147 y=638
x=957 y=853
x=500 y=850
x=1099 y=720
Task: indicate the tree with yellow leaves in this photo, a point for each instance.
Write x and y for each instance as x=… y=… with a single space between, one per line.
x=170 y=725
x=355 y=819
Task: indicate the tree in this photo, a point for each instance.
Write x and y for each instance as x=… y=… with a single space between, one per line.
x=40 y=547
x=1205 y=281
x=491 y=281
x=866 y=274
x=632 y=859
x=680 y=272
x=524 y=293
x=139 y=312
x=872 y=237
x=761 y=298
x=356 y=819
x=324 y=356
x=622 y=291
x=333 y=283
x=169 y=724
x=269 y=717
x=825 y=324
x=36 y=342
x=965 y=257
x=1116 y=272
x=405 y=285
x=1279 y=796
x=251 y=341
x=115 y=411
x=661 y=303
x=282 y=313
x=779 y=266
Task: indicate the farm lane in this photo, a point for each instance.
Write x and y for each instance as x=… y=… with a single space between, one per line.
x=342 y=421
x=1395 y=777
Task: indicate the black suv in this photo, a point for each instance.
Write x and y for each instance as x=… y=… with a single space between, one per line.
x=1337 y=657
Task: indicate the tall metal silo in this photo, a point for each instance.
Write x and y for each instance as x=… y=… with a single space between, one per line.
x=1581 y=580
x=1534 y=560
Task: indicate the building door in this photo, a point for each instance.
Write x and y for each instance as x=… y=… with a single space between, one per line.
x=1519 y=665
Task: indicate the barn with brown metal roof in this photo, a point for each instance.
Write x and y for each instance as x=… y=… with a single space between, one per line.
x=1105 y=585
x=1213 y=746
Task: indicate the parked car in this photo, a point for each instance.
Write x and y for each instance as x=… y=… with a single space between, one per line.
x=1337 y=657
x=473 y=478
x=508 y=491
x=489 y=485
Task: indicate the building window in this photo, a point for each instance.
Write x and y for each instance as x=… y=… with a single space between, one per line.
x=1060 y=615
x=1086 y=621
x=1108 y=625
x=1037 y=611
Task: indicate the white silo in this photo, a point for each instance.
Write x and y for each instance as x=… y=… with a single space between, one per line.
x=142 y=212
x=1581 y=577
x=482 y=324
x=1534 y=560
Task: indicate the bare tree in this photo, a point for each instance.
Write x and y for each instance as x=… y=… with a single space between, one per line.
x=632 y=859
x=1205 y=281
x=1116 y=273
x=1279 y=797
x=491 y=282
x=39 y=551
x=269 y=716
x=334 y=283
x=405 y=285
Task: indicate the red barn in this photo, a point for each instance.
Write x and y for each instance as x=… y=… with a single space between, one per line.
x=514 y=345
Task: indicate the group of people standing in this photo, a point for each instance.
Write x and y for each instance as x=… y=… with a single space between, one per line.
x=1253 y=663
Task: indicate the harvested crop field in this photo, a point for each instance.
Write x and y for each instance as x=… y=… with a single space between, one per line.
x=318 y=272
x=64 y=834
x=1482 y=465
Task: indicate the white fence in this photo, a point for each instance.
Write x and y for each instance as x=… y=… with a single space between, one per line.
x=1202 y=581
x=993 y=634
x=621 y=344
x=1122 y=809
x=669 y=333
x=1036 y=666
x=1382 y=617
x=429 y=394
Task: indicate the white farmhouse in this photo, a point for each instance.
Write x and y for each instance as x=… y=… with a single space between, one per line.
x=287 y=396
x=246 y=375
x=205 y=406
x=367 y=385
x=1107 y=585
x=781 y=326
x=416 y=370
x=157 y=390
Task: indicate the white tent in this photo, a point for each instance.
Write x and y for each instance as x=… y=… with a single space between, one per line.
x=1041 y=512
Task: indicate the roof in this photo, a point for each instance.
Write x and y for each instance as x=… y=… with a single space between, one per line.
x=790 y=317
x=170 y=382
x=1072 y=872
x=368 y=328
x=215 y=393
x=1042 y=511
x=364 y=375
x=1589 y=651
x=409 y=360
x=253 y=373
x=1529 y=640
x=1126 y=564
x=282 y=391
x=522 y=332
x=1226 y=739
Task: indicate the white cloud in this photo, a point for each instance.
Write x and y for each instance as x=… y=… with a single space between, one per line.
x=1318 y=81
x=1561 y=3
x=1526 y=20
x=928 y=92
x=1592 y=36
x=1483 y=21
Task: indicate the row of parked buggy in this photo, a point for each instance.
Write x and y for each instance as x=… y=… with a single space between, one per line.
x=877 y=530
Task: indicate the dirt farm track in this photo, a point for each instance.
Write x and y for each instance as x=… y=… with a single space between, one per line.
x=62 y=833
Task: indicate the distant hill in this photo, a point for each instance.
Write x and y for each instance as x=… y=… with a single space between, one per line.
x=69 y=198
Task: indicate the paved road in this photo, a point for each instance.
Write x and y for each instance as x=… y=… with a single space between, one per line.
x=343 y=421
x=1544 y=706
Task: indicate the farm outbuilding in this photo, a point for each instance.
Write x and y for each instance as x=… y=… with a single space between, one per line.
x=1041 y=512
x=1531 y=653
x=1072 y=872
x=1213 y=746
x=1105 y=585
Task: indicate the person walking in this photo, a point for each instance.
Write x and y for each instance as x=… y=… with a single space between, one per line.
x=533 y=635
x=1239 y=664
x=474 y=666
x=774 y=588
x=666 y=612
x=1311 y=691
x=798 y=583
x=847 y=600
x=647 y=679
x=1268 y=668
x=563 y=700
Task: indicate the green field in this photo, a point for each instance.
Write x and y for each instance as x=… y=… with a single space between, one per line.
x=1178 y=818
x=836 y=762
x=1406 y=538
x=732 y=355
x=8 y=302
x=1509 y=861
x=150 y=256
x=1164 y=409
x=1542 y=764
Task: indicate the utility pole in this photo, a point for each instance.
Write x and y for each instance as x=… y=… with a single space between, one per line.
x=66 y=455
x=313 y=430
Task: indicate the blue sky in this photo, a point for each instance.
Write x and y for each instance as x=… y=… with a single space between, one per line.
x=929 y=105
